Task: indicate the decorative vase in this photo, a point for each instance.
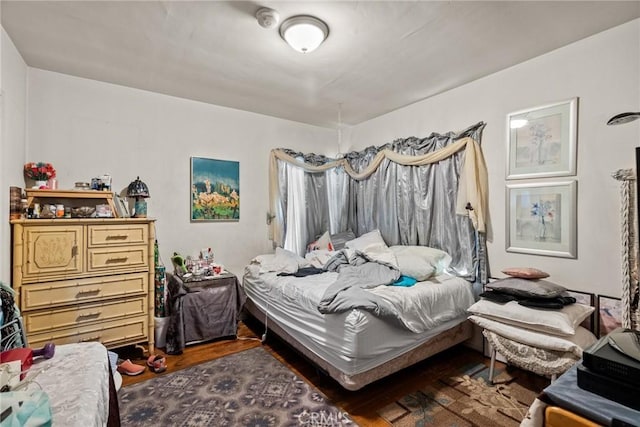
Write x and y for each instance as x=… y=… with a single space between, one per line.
x=40 y=184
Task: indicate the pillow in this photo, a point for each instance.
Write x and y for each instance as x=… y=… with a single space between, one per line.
x=574 y=343
x=381 y=254
x=527 y=288
x=367 y=240
x=324 y=242
x=283 y=261
x=525 y=273
x=421 y=262
x=340 y=239
x=319 y=257
x=557 y=322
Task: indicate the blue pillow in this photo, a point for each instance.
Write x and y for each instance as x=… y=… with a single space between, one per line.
x=405 y=281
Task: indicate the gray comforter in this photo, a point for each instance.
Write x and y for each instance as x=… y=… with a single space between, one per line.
x=356 y=273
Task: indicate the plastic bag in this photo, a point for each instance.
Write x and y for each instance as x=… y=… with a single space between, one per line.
x=25 y=408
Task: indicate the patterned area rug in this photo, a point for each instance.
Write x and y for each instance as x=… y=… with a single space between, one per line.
x=464 y=399
x=250 y=388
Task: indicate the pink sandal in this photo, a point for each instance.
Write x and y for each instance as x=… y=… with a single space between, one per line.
x=129 y=368
x=157 y=364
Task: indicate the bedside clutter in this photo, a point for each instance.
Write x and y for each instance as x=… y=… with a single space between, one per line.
x=533 y=323
x=611 y=368
x=603 y=389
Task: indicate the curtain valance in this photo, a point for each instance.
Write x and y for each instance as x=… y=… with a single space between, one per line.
x=472 y=188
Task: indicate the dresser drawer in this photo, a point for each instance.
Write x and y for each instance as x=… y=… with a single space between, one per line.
x=52 y=251
x=111 y=333
x=52 y=294
x=41 y=321
x=121 y=258
x=117 y=235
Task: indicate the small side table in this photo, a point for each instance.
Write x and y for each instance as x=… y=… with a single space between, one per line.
x=549 y=363
x=202 y=310
x=565 y=393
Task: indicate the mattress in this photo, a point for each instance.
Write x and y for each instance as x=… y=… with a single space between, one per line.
x=77 y=382
x=356 y=341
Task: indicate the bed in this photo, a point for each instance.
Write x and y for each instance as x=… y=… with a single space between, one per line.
x=75 y=387
x=421 y=195
x=355 y=346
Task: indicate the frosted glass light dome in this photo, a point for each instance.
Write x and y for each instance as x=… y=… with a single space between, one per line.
x=304 y=33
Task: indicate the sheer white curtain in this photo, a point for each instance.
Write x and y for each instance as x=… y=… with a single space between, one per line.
x=338 y=199
x=296 y=238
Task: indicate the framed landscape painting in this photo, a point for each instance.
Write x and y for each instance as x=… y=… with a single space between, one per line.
x=541 y=218
x=541 y=141
x=215 y=190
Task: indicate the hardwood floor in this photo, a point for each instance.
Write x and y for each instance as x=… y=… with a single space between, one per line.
x=362 y=405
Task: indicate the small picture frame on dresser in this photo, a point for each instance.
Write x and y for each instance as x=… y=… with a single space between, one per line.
x=609 y=311
x=121 y=206
x=589 y=299
x=104 y=211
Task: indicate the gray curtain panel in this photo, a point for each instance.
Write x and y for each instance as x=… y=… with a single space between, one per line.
x=410 y=205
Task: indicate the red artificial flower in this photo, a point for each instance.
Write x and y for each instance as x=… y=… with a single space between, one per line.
x=39 y=171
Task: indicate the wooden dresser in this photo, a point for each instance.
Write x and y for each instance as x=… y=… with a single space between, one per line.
x=87 y=279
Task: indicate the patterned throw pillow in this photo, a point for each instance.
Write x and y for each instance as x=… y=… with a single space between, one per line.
x=324 y=242
x=525 y=273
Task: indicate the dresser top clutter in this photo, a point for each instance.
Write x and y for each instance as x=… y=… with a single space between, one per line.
x=74 y=199
x=82 y=278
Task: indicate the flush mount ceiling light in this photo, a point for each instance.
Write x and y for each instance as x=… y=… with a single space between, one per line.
x=304 y=33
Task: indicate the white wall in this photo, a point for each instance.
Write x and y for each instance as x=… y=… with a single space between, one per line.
x=604 y=72
x=88 y=128
x=13 y=95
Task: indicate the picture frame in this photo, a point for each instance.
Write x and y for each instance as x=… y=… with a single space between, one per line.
x=122 y=207
x=609 y=314
x=589 y=299
x=541 y=141
x=541 y=218
x=104 y=211
x=215 y=190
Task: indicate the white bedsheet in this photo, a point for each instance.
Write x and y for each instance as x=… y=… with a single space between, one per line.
x=77 y=382
x=357 y=341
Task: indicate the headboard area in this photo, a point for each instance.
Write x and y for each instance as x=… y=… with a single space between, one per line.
x=429 y=191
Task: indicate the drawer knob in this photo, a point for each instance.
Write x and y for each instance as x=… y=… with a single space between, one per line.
x=96 y=338
x=117 y=237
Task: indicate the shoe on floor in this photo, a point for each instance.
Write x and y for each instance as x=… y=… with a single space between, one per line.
x=129 y=368
x=157 y=364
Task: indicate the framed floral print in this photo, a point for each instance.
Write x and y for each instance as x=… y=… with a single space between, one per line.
x=541 y=218
x=541 y=141
x=215 y=190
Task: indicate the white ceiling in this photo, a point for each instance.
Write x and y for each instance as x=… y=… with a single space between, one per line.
x=380 y=55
